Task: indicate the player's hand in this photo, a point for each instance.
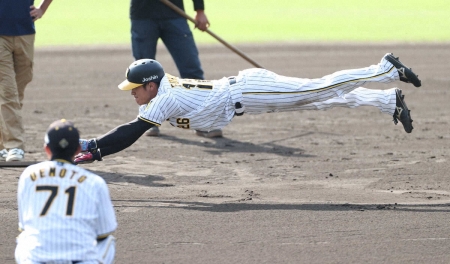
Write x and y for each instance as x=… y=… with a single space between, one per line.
x=82 y=158
x=87 y=157
x=88 y=145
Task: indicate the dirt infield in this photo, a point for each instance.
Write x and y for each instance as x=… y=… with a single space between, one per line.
x=339 y=186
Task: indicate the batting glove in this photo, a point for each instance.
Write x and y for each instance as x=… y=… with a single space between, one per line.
x=88 y=145
x=87 y=157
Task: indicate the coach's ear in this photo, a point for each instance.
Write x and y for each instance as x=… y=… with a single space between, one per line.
x=48 y=152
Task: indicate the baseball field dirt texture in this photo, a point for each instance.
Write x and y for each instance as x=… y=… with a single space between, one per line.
x=337 y=186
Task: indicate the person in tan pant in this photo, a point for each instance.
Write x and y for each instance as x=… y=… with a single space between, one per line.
x=17 y=34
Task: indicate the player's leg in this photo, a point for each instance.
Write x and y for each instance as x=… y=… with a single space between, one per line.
x=265 y=91
x=107 y=249
x=387 y=70
x=384 y=100
x=144 y=38
x=389 y=101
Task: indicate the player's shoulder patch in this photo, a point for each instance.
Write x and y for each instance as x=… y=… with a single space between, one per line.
x=174 y=81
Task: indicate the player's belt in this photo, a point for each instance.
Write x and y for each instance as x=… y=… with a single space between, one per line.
x=236 y=96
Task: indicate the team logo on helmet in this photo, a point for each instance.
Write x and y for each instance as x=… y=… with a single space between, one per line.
x=151 y=78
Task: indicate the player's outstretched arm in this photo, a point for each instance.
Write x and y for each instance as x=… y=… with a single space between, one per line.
x=112 y=142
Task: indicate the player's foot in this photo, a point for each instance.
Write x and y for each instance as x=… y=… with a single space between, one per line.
x=402 y=113
x=152 y=132
x=211 y=134
x=15 y=154
x=406 y=74
x=3 y=154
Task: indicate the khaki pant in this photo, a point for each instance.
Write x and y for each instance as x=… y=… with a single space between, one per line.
x=16 y=71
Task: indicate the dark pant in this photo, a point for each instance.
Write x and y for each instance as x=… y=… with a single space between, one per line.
x=176 y=36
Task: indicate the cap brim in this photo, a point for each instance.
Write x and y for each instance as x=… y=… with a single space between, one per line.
x=126 y=85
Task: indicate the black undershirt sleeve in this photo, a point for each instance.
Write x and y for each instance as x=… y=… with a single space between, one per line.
x=122 y=136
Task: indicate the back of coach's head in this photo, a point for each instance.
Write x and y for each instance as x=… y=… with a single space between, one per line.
x=63 y=140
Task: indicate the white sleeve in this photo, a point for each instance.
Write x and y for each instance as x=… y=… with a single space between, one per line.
x=20 y=193
x=107 y=218
x=159 y=109
x=106 y=250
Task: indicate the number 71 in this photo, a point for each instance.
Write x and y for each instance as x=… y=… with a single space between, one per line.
x=53 y=192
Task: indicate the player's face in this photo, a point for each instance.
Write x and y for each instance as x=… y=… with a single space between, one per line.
x=143 y=95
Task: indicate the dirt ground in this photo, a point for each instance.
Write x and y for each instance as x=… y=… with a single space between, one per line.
x=338 y=186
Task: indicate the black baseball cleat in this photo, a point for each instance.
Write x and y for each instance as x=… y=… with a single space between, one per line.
x=406 y=74
x=402 y=112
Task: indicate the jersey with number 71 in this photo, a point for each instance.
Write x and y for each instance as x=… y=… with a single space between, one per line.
x=62 y=209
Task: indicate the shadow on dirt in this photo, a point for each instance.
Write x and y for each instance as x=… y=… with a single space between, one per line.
x=140 y=179
x=217 y=146
x=235 y=207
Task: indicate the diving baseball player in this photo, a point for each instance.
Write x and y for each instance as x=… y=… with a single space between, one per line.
x=65 y=212
x=207 y=105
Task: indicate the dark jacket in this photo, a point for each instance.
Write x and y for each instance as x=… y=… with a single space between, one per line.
x=155 y=9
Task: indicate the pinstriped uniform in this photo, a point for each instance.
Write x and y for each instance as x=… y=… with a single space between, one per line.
x=62 y=209
x=199 y=106
x=195 y=105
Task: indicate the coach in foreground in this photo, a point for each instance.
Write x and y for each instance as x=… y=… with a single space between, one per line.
x=208 y=105
x=65 y=211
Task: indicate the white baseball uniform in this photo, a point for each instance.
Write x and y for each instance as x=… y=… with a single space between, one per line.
x=63 y=209
x=207 y=105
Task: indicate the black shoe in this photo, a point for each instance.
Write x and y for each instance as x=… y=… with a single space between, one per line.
x=402 y=112
x=406 y=74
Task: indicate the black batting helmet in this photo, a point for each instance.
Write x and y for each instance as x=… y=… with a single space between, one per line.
x=140 y=72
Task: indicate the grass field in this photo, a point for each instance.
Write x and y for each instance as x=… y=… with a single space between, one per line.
x=83 y=22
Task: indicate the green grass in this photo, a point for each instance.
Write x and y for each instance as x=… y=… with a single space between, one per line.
x=102 y=22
